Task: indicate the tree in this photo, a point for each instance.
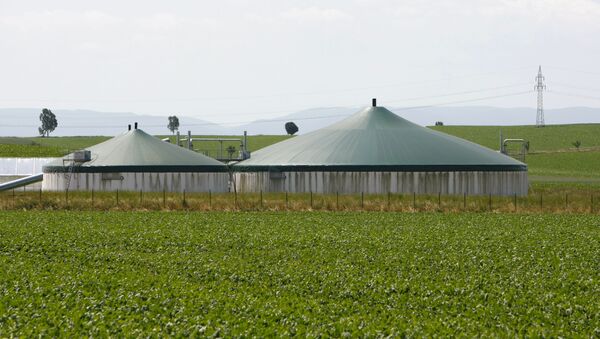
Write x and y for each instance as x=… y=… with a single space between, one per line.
x=577 y=144
x=49 y=122
x=291 y=128
x=173 y=124
x=230 y=150
x=439 y=123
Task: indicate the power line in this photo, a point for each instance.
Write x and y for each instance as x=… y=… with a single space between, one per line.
x=307 y=118
x=293 y=110
x=465 y=101
x=574 y=70
x=460 y=93
x=577 y=95
x=405 y=84
x=390 y=101
x=576 y=87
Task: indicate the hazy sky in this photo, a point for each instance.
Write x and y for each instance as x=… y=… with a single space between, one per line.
x=235 y=61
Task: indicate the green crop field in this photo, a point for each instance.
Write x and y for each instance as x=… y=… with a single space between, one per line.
x=549 y=138
x=44 y=147
x=59 y=146
x=565 y=164
x=141 y=274
x=213 y=148
x=552 y=156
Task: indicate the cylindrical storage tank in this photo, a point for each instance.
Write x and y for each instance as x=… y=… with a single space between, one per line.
x=375 y=151
x=136 y=161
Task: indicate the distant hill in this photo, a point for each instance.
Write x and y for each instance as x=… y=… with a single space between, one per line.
x=24 y=121
x=312 y=119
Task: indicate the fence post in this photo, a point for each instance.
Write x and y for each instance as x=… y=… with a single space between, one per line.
x=439 y=200
x=541 y=202
x=389 y=199
x=490 y=202
x=184 y=197
x=92 y=196
x=311 y=200
x=235 y=204
x=414 y=200
x=261 y=200
x=337 y=200
x=515 y=200
x=592 y=203
x=117 y=196
x=464 y=200
x=286 y=200
x=164 y=197
x=362 y=199
x=141 y=198
x=566 y=200
x=210 y=199
x=40 y=195
x=67 y=195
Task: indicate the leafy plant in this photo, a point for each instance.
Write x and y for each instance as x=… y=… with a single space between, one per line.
x=181 y=274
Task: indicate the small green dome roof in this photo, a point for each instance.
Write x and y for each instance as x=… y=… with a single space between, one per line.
x=375 y=139
x=137 y=151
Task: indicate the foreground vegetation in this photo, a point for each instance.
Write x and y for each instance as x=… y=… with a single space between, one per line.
x=279 y=274
x=550 y=198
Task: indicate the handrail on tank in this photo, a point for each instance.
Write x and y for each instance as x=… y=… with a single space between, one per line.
x=506 y=141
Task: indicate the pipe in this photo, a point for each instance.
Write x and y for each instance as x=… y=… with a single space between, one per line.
x=21 y=182
x=374 y=102
x=135 y=125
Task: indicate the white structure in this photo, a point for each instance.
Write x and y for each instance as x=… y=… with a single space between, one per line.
x=23 y=166
x=376 y=151
x=136 y=161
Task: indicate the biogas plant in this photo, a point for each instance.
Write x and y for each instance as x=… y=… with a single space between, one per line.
x=373 y=151
x=376 y=151
x=136 y=161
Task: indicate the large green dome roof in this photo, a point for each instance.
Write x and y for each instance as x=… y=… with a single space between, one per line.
x=137 y=151
x=375 y=139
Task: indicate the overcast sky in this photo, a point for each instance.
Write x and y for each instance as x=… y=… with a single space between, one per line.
x=235 y=61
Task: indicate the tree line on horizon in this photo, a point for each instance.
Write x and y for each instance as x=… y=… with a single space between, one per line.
x=49 y=123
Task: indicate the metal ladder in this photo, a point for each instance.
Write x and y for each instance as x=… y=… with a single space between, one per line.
x=69 y=174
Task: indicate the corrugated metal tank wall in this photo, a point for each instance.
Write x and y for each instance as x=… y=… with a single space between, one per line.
x=148 y=182
x=472 y=183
